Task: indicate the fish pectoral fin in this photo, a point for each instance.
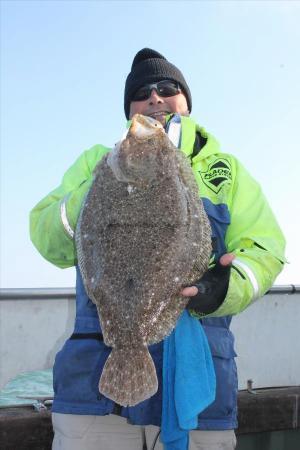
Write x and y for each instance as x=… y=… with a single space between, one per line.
x=129 y=376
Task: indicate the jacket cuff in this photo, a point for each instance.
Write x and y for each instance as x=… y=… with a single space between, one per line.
x=241 y=292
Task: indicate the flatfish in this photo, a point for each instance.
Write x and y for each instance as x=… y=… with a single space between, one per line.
x=142 y=234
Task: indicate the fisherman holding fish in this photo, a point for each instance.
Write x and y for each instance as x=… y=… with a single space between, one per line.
x=191 y=401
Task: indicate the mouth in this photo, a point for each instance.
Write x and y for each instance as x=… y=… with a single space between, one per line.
x=157 y=114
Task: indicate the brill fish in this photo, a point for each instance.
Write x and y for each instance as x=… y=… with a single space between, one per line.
x=141 y=236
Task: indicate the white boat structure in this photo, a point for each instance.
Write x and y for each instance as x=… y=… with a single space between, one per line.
x=34 y=324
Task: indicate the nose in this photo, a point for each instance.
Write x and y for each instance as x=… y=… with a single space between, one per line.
x=155 y=98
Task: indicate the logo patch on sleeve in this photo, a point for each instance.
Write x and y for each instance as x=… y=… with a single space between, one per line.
x=217 y=174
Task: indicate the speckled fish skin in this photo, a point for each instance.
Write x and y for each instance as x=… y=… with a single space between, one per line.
x=142 y=235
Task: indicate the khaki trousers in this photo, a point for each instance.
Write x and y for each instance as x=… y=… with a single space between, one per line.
x=78 y=432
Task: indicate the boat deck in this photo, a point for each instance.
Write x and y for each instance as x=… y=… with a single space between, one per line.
x=262 y=410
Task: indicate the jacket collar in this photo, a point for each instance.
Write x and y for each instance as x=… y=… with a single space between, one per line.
x=187 y=128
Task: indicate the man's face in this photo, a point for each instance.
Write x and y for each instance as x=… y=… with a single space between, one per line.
x=158 y=107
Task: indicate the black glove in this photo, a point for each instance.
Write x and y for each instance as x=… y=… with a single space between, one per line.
x=212 y=290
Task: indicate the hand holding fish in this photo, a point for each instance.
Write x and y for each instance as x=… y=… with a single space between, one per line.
x=207 y=295
x=225 y=260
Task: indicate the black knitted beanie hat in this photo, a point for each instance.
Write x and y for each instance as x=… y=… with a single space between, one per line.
x=149 y=66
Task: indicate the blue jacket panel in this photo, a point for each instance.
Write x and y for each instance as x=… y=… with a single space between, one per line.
x=78 y=366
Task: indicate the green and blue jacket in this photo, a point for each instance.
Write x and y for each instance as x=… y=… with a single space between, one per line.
x=242 y=223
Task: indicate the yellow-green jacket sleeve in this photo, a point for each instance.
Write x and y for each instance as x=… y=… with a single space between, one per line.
x=256 y=239
x=53 y=220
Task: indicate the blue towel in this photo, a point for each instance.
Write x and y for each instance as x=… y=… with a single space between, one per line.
x=189 y=381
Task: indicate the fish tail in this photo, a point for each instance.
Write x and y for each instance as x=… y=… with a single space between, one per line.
x=129 y=376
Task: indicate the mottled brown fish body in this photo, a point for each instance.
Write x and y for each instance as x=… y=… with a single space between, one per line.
x=141 y=236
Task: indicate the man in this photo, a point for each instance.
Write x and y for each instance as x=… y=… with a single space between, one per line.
x=248 y=249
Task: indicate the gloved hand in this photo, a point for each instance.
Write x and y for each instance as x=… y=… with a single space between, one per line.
x=211 y=288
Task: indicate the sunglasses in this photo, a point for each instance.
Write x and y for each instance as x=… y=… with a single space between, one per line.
x=165 y=88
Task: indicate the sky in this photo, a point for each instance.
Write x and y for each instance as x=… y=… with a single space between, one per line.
x=63 y=69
